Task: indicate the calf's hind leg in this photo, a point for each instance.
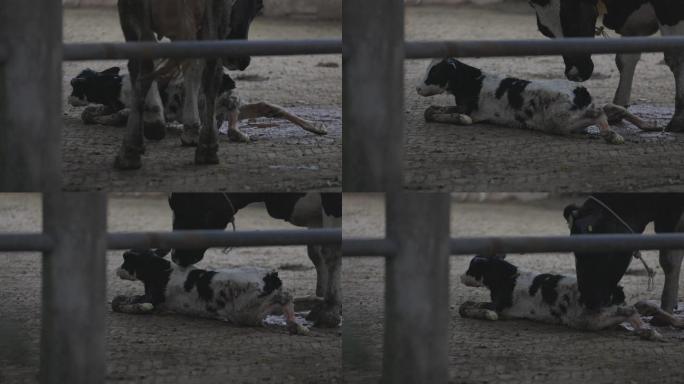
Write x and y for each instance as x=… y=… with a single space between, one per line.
x=263 y=109
x=448 y=115
x=617 y=113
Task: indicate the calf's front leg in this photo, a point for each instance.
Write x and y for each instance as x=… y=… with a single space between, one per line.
x=475 y=310
x=447 y=115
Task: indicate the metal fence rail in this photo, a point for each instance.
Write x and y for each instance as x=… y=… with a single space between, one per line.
x=183 y=239
x=539 y=47
x=199 y=49
x=357 y=247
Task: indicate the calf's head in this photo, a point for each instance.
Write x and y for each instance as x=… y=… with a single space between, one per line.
x=96 y=87
x=451 y=75
x=488 y=272
x=145 y=265
x=569 y=18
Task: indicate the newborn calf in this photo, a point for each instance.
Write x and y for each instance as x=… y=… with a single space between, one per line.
x=553 y=106
x=242 y=296
x=544 y=297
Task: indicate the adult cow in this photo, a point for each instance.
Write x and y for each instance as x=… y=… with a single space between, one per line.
x=193 y=20
x=577 y=18
x=599 y=273
x=311 y=210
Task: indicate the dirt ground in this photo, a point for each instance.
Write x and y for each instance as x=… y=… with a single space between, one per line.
x=485 y=157
x=167 y=348
x=503 y=351
x=281 y=158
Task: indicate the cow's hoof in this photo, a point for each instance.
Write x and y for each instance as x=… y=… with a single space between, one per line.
x=325 y=317
x=190 y=135
x=237 y=136
x=206 y=155
x=154 y=131
x=676 y=125
x=129 y=159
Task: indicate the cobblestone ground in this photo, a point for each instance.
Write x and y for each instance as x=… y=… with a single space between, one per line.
x=166 y=348
x=504 y=351
x=282 y=158
x=485 y=157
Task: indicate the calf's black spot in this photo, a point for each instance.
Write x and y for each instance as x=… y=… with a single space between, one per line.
x=548 y=284
x=582 y=99
x=271 y=283
x=202 y=280
x=514 y=88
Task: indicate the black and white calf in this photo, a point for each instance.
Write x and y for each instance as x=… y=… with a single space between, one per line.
x=311 y=210
x=599 y=273
x=241 y=296
x=548 y=298
x=577 y=18
x=111 y=90
x=553 y=106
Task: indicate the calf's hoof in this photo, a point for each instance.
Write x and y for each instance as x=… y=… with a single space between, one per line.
x=650 y=335
x=676 y=124
x=297 y=329
x=206 y=155
x=155 y=130
x=126 y=304
x=237 y=136
x=318 y=128
x=613 y=138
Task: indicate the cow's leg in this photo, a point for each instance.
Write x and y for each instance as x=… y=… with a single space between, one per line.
x=134 y=19
x=328 y=263
x=474 y=310
x=675 y=60
x=626 y=64
x=153 y=114
x=671 y=262
x=207 y=146
x=616 y=113
x=192 y=79
x=447 y=115
x=263 y=109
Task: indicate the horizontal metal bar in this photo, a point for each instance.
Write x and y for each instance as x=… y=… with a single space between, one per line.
x=368 y=247
x=354 y=247
x=577 y=243
x=217 y=238
x=200 y=49
x=25 y=242
x=539 y=47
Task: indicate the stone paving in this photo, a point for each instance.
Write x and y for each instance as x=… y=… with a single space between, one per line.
x=503 y=351
x=166 y=348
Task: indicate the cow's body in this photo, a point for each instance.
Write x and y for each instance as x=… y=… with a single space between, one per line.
x=164 y=103
x=148 y=20
x=552 y=106
x=599 y=273
x=241 y=296
x=577 y=18
x=311 y=210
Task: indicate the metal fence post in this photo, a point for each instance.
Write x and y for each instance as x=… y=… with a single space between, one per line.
x=30 y=94
x=417 y=289
x=73 y=312
x=373 y=94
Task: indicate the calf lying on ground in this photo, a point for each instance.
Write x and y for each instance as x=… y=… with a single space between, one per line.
x=164 y=103
x=548 y=298
x=241 y=296
x=553 y=106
